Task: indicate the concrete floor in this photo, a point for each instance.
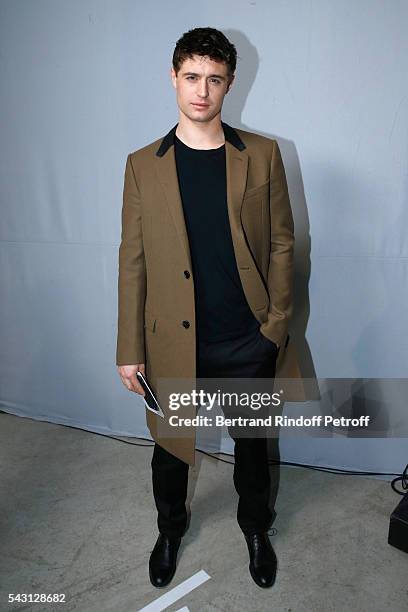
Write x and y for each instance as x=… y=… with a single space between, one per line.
x=78 y=517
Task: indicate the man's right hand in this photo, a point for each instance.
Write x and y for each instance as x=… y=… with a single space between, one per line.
x=129 y=378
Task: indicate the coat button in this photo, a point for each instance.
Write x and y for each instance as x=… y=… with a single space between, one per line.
x=186 y=273
x=186 y=324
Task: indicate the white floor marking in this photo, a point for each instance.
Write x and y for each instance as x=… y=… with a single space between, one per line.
x=177 y=593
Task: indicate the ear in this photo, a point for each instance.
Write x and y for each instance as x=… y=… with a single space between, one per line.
x=230 y=83
x=173 y=76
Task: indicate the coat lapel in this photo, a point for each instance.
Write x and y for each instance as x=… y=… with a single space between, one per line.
x=167 y=174
x=237 y=171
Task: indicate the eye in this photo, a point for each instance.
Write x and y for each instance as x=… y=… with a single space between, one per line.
x=217 y=81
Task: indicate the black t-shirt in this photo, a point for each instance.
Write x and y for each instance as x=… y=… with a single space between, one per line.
x=222 y=310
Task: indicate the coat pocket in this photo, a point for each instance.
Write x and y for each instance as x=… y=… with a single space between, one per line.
x=259 y=190
x=150 y=321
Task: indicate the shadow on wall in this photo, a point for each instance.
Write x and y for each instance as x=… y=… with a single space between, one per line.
x=248 y=63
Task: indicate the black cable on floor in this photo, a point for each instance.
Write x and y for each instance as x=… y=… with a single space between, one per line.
x=404 y=482
x=274 y=462
x=403 y=478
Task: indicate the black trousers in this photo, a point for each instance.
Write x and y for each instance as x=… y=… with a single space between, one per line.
x=250 y=356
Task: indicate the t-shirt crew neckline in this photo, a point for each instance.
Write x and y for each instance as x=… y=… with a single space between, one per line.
x=198 y=151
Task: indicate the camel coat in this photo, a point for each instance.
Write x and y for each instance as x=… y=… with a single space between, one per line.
x=156 y=304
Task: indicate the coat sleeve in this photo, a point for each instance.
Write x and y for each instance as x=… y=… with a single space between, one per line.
x=132 y=276
x=281 y=259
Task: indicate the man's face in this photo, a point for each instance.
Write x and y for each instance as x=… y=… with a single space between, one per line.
x=201 y=85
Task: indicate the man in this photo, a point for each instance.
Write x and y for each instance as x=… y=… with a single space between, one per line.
x=205 y=282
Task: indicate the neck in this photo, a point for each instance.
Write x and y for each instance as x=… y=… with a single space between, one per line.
x=200 y=135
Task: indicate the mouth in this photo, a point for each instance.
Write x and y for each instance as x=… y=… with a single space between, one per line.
x=197 y=105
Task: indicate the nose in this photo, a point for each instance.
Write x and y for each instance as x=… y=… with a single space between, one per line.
x=202 y=88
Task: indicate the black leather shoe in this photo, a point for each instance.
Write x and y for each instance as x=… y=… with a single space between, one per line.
x=162 y=562
x=262 y=559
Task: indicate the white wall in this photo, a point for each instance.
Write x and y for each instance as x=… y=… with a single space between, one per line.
x=86 y=82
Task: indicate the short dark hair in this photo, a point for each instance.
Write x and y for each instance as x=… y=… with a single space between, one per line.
x=205 y=42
